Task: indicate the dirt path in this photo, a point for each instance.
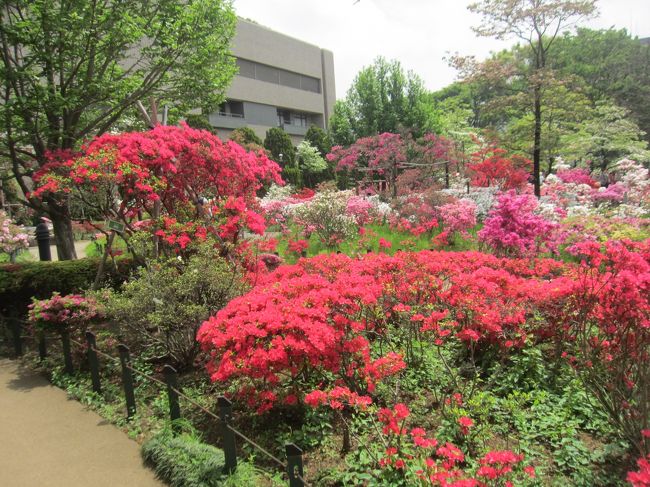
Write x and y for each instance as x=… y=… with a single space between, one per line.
x=47 y=440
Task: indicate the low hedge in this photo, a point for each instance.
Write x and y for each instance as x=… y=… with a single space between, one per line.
x=20 y=282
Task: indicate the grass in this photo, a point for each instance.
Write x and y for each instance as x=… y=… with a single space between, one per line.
x=398 y=240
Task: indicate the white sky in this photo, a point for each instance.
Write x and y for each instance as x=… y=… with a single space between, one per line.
x=419 y=33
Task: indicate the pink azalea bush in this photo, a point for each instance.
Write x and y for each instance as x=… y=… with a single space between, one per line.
x=59 y=313
x=513 y=228
x=459 y=216
x=12 y=237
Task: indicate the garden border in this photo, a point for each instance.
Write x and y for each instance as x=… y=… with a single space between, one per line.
x=294 y=464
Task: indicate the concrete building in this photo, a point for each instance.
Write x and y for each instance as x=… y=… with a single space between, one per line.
x=282 y=82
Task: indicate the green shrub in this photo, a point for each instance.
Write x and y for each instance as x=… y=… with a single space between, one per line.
x=277 y=142
x=20 y=282
x=184 y=461
x=159 y=311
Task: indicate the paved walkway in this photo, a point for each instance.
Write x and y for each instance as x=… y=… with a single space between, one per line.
x=47 y=440
x=79 y=245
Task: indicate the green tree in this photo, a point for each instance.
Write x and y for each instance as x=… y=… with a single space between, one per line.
x=538 y=23
x=71 y=69
x=279 y=145
x=247 y=138
x=383 y=98
x=613 y=65
x=318 y=138
x=312 y=164
x=340 y=125
x=200 y=122
x=606 y=137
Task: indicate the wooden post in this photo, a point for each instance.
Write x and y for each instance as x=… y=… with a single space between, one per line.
x=67 y=353
x=171 y=378
x=229 y=449
x=294 y=465
x=93 y=361
x=127 y=380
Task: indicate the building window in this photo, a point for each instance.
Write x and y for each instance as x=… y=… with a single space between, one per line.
x=232 y=108
x=284 y=117
x=300 y=119
x=282 y=77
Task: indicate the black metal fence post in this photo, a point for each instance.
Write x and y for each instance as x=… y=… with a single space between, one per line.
x=42 y=346
x=229 y=448
x=171 y=379
x=43 y=241
x=67 y=353
x=127 y=380
x=294 y=465
x=93 y=361
x=16 y=330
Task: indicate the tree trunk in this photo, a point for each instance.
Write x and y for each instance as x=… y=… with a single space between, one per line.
x=537 y=147
x=62 y=223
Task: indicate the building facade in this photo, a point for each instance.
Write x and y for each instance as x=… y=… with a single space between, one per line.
x=282 y=82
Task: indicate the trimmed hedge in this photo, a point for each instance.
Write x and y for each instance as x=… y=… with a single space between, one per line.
x=20 y=282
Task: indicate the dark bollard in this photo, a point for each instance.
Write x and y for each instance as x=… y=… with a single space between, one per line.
x=171 y=379
x=127 y=380
x=229 y=449
x=43 y=241
x=67 y=353
x=294 y=465
x=93 y=361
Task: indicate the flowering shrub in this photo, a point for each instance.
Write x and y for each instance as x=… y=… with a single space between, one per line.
x=61 y=313
x=577 y=176
x=410 y=453
x=642 y=477
x=325 y=215
x=513 y=228
x=492 y=167
x=179 y=172
x=309 y=326
x=483 y=198
x=608 y=336
x=382 y=155
x=459 y=216
x=12 y=237
x=361 y=209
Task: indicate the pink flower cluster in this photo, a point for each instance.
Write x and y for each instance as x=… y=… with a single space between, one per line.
x=459 y=216
x=513 y=227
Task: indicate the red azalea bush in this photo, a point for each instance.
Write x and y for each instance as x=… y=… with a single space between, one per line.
x=641 y=478
x=186 y=174
x=607 y=338
x=309 y=326
x=492 y=167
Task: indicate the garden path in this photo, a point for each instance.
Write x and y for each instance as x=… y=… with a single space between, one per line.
x=47 y=440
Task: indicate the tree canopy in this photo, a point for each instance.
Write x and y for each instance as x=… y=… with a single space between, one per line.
x=73 y=69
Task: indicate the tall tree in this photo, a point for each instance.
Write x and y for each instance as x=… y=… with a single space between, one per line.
x=613 y=64
x=71 y=69
x=383 y=98
x=538 y=23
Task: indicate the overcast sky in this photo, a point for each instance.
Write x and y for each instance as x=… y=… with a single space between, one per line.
x=419 y=33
